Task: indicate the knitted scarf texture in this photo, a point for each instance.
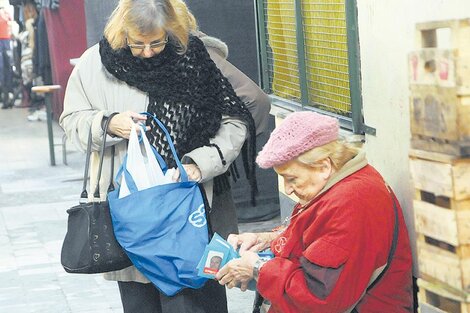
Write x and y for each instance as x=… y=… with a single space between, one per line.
x=189 y=95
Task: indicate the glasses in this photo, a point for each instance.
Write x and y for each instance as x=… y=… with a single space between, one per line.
x=141 y=47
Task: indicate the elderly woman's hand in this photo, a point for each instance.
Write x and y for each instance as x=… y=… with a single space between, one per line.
x=238 y=272
x=250 y=241
x=121 y=124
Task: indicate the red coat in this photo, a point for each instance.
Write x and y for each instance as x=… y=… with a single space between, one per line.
x=5 y=19
x=325 y=258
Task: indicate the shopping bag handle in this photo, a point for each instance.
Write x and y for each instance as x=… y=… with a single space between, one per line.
x=123 y=168
x=183 y=174
x=160 y=160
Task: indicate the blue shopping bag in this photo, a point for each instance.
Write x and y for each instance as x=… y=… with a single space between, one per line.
x=163 y=229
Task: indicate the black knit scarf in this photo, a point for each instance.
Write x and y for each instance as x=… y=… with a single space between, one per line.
x=188 y=94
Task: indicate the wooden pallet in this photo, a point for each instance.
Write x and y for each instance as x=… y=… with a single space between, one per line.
x=434 y=297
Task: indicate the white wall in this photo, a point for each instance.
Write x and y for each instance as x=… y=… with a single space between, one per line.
x=387 y=35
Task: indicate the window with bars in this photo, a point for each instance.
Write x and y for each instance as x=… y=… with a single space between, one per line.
x=309 y=56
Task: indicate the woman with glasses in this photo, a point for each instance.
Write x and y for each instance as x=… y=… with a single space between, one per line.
x=152 y=58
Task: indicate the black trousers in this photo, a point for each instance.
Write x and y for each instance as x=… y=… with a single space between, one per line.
x=145 y=298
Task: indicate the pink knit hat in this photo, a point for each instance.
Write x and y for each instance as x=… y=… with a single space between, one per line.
x=298 y=133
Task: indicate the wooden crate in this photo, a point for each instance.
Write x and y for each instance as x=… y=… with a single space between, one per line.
x=440 y=174
x=447 y=62
x=442 y=218
x=440 y=120
x=437 y=298
x=440 y=67
x=428 y=33
x=447 y=264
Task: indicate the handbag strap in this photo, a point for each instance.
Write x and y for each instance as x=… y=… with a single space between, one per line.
x=392 y=249
x=96 y=194
x=394 y=242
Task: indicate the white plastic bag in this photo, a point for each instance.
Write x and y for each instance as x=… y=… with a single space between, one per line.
x=142 y=165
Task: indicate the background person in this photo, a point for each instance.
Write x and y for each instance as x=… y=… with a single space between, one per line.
x=339 y=236
x=150 y=60
x=5 y=64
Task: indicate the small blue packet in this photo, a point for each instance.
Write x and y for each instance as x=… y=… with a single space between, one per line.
x=217 y=253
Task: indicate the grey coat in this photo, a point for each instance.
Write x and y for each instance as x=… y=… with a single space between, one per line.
x=92 y=93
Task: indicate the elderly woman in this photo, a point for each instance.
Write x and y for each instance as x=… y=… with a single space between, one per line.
x=152 y=58
x=346 y=245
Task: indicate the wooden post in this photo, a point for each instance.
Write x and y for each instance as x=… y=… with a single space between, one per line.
x=47 y=90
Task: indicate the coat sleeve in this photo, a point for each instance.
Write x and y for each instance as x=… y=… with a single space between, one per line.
x=328 y=276
x=79 y=114
x=229 y=140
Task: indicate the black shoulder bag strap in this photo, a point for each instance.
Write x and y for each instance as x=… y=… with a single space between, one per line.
x=392 y=249
x=96 y=194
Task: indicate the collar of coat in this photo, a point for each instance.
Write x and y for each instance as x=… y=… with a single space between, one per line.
x=214 y=43
x=352 y=166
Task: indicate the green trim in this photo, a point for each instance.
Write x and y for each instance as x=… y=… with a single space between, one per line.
x=262 y=44
x=293 y=106
x=302 y=65
x=358 y=126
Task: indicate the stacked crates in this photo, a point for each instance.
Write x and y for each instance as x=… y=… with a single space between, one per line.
x=440 y=163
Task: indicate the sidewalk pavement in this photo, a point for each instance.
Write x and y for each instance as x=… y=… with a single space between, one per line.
x=34 y=197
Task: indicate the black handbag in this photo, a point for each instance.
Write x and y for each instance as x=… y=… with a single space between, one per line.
x=90 y=246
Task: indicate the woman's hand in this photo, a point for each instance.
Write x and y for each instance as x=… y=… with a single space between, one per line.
x=250 y=241
x=238 y=271
x=121 y=124
x=193 y=171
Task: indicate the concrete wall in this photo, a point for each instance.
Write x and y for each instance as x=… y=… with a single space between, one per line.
x=387 y=35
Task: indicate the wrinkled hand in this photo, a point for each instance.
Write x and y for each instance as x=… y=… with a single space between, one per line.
x=193 y=171
x=246 y=242
x=238 y=271
x=121 y=124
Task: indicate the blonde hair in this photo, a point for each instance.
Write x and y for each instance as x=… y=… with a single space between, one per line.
x=29 y=11
x=338 y=151
x=147 y=16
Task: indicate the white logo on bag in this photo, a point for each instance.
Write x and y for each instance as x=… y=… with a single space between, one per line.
x=198 y=217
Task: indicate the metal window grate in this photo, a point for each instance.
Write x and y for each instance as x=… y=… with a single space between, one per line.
x=323 y=24
x=327 y=55
x=282 y=49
